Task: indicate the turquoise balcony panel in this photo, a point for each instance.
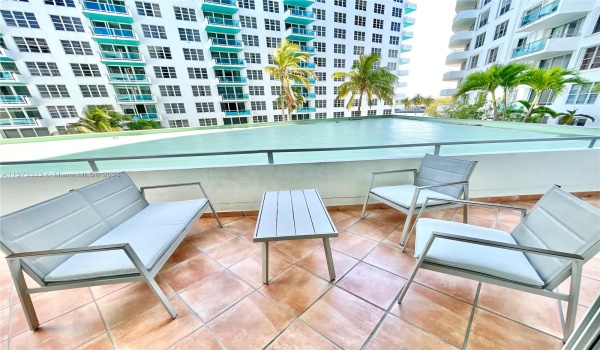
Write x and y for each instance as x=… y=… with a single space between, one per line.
x=306 y=110
x=232 y=81
x=308 y=50
x=310 y=80
x=235 y=97
x=229 y=64
x=540 y=13
x=106 y=12
x=226 y=45
x=128 y=79
x=18 y=122
x=309 y=95
x=112 y=36
x=307 y=65
x=529 y=48
x=9 y=78
x=228 y=7
x=121 y=56
x=222 y=25
x=407 y=35
x=408 y=21
x=299 y=3
x=6 y=59
x=299 y=16
x=13 y=100
x=410 y=7
x=135 y=98
x=6 y=76
x=236 y=113
x=299 y=34
x=146 y=116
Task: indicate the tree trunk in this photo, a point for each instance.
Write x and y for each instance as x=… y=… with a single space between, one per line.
x=494 y=106
x=504 y=105
x=283 y=100
x=530 y=110
x=360 y=102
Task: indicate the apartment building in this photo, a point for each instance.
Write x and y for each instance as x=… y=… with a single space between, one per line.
x=184 y=63
x=545 y=33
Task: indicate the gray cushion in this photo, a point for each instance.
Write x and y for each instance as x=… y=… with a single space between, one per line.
x=116 y=199
x=562 y=222
x=500 y=263
x=403 y=195
x=150 y=232
x=67 y=221
x=435 y=170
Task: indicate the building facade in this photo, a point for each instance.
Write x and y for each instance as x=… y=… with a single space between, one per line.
x=184 y=63
x=545 y=33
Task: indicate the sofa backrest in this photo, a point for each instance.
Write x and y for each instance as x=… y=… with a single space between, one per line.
x=435 y=170
x=67 y=221
x=116 y=199
x=561 y=222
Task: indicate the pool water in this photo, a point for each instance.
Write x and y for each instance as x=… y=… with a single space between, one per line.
x=343 y=133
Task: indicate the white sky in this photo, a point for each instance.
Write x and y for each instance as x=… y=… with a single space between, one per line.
x=432 y=31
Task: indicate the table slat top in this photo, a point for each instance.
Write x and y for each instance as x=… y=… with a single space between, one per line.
x=297 y=214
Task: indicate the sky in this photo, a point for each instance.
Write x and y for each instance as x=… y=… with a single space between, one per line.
x=432 y=31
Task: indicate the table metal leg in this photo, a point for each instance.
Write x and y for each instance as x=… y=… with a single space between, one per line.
x=265 y=262
x=329 y=258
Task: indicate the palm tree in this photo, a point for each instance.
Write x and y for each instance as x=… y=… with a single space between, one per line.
x=509 y=77
x=537 y=111
x=286 y=68
x=100 y=119
x=363 y=79
x=291 y=105
x=428 y=100
x=568 y=117
x=486 y=81
x=553 y=78
x=406 y=102
x=417 y=100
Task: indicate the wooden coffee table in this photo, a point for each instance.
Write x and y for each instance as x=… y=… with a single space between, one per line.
x=287 y=215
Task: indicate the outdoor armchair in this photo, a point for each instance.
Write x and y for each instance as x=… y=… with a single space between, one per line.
x=550 y=244
x=441 y=177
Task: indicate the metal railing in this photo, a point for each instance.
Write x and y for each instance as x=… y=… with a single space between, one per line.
x=302 y=31
x=539 y=13
x=226 y=42
x=306 y=109
x=133 y=98
x=121 y=56
x=222 y=2
x=13 y=99
x=147 y=116
x=301 y=13
x=437 y=146
x=6 y=75
x=304 y=48
x=235 y=113
x=230 y=61
x=128 y=78
x=95 y=6
x=308 y=65
x=538 y=45
x=18 y=122
x=223 y=22
x=309 y=95
x=119 y=33
x=232 y=80
x=229 y=97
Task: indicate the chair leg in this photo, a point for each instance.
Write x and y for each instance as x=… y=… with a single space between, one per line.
x=412 y=276
x=215 y=213
x=573 y=300
x=161 y=296
x=362 y=214
x=409 y=216
x=24 y=297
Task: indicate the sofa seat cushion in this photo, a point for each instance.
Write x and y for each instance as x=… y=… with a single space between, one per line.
x=506 y=264
x=403 y=195
x=150 y=233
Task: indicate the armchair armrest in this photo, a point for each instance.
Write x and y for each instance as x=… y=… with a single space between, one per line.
x=414 y=171
x=144 y=188
x=479 y=204
x=99 y=248
x=443 y=185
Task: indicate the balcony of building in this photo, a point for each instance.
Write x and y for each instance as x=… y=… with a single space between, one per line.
x=401 y=84
x=550 y=15
x=299 y=3
x=464 y=20
x=128 y=79
x=129 y=98
x=307 y=65
x=306 y=110
x=546 y=48
x=309 y=95
x=310 y=80
x=16 y=122
x=465 y=5
x=114 y=36
x=448 y=92
x=457 y=58
x=238 y=113
x=222 y=25
x=402 y=73
x=454 y=75
x=405 y=48
x=97 y=11
x=309 y=50
x=13 y=100
x=296 y=16
x=146 y=116
x=228 y=7
x=404 y=60
x=234 y=97
x=232 y=81
x=460 y=39
x=9 y=78
x=409 y=7
x=226 y=45
x=408 y=21
x=299 y=34
x=406 y=35
x=229 y=63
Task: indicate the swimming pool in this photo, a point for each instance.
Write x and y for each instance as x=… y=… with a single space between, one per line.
x=316 y=134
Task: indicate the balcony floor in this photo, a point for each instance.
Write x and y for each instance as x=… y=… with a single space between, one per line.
x=214 y=282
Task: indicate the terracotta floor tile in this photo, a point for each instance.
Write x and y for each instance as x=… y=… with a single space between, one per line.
x=589 y=291
x=317 y=264
x=202 y=225
x=100 y=291
x=337 y=215
x=189 y=272
x=4 y=323
x=392 y=260
x=5 y=288
x=354 y=245
x=356 y=212
x=298 y=336
x=294 y=250
x=393 y=239
x=215 y=294
x=130 y=301
x=70 y=330
x=199 y=340
x=182 y=253
x=295 y=289
x=482 y=212
x=372 y=284
x=591 y=269
x=343 y=220
x=395 y=333
x=210 y=238
x=233 y=251
x=241 y=225
x=532 y=310
x=156 y=329
x=99 y=343
x=250 y=269
x=371 y=229
x=490 y=331
x=439 y=314
x=348 y=327
x=458 y=287
x=251 y=323
x=390 y=217
x=249 y=236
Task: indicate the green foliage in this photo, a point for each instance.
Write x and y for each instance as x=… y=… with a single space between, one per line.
x=461 y=109
x=568 y=117
x=363 y=79
x=100 y=119
x=537 y=112
x=143 y=124
x=432 y=108
x=406 y=102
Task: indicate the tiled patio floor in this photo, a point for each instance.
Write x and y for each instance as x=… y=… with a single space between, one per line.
x=214 y=282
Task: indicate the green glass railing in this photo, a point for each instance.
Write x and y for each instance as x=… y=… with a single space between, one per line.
x=95 y=6
x=233 y=113
x=12 y=99
x=230 y=61
x=309 y=95
x=226 y=42
x=232 y=79
x=112 y=55
x=122 y=33
x=18 y=122
x=307 y=65
x=235 y=96
x=223 y=21
x=541 y=12
x=128 y=78
x=128 y=98
x=147 y=116
x=302 y=31
x=307 y=48
x=529 y=48
x=302 y=13
x=6 y=76
x=222 y=2
x=306 y=109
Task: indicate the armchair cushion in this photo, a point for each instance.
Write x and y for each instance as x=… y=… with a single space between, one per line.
x=150 y=232
x=403 y=195
x=500 y=263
